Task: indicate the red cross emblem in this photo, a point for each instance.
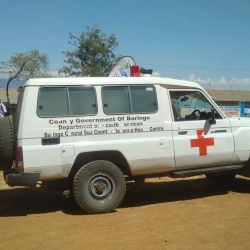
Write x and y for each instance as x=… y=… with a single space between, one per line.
x=202 y=142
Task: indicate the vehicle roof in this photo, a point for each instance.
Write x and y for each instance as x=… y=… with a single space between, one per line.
x=73 y=81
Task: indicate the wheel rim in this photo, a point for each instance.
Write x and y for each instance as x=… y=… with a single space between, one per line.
x=101 y=187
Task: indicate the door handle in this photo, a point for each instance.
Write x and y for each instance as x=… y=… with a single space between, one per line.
x=219 y=131
x=50 y=141
x=183 y=132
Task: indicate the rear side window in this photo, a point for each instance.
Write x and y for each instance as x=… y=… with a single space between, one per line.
x=53 y=102
x=62 y=101
x=129 y=99
x=143 y=99
x=116 y=100
x=82 y=101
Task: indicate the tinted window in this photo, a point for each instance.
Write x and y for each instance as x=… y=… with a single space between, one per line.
x=52 y=102
x=62 y=101
x=143 y=99
x=82 y=101
x=116 y=100
x=129 y=99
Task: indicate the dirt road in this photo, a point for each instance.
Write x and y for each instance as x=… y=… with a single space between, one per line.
x=162 y=214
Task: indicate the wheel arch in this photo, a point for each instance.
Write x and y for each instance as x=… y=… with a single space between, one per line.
x=108 y=155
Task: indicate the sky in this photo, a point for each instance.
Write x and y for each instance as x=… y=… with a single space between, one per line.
x=207 y=41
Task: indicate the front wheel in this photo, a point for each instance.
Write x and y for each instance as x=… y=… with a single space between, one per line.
x=99 y=187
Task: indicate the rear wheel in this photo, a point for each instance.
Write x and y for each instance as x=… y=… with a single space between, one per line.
x=221 y=178
x=99 y=187
x=6 y=143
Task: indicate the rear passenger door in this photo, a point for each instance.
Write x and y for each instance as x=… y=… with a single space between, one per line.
x=197 y=142
x=144 y=133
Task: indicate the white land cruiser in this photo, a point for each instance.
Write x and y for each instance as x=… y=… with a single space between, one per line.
x=90 y=135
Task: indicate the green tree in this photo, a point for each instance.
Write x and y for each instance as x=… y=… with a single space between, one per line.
x=93 y=54
x=23 y=66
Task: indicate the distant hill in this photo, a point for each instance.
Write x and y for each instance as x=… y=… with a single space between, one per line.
x=13 y=84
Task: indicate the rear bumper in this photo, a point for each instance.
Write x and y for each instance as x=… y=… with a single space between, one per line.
x=21 y=179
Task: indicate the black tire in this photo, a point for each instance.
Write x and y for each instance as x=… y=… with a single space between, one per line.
x=99 y=187
x=221 y=178
x=6 y=144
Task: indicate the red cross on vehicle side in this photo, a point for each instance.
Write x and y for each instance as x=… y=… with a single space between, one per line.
x=201 y=142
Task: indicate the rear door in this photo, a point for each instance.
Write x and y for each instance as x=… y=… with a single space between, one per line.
x=197 y=142
x=50 y=131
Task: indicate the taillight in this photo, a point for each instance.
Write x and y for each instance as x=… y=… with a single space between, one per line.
x=19 y=159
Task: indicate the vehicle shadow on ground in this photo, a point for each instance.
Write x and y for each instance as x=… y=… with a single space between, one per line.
x=180 y=190
x=25 y=201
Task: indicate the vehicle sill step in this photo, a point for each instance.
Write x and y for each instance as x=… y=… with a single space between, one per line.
x=192 y=172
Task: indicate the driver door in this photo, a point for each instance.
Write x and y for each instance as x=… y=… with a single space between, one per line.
x=197 y=142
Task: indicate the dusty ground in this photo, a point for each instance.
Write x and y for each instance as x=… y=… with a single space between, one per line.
x=163 y=214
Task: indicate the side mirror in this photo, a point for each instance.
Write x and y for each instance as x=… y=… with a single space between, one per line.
x=212 y=119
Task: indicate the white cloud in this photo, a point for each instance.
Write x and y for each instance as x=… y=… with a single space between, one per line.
x=235 y=80
x=221 y=81
x=194 y=78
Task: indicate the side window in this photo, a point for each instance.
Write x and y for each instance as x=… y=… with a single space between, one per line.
x=52 y=102
x=191 y=105
x=116 y=100
x=82 y=101
x=129 y=99
x=63 y=101
x=143 y=99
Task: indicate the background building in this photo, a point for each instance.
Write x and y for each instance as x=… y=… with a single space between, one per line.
x=232 y=102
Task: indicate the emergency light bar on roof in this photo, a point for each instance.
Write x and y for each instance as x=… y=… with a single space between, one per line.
x=135 y=71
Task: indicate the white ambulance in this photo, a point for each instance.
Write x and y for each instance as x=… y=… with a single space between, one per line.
x=91 y=135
